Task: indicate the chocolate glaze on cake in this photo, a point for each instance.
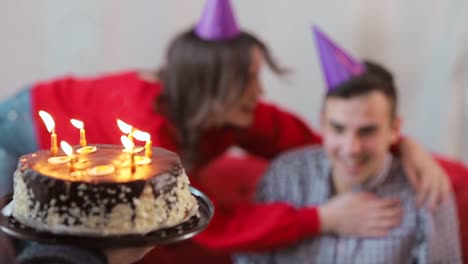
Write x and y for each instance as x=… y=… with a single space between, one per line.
x=51 y=197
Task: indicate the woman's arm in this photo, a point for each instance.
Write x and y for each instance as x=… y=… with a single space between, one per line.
x=274 y=131
x=427 y=177
x=273 y=223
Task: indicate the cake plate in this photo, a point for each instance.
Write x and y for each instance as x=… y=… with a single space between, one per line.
x=183 y=231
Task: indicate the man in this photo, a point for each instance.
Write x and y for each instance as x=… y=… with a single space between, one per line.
x=359 y=123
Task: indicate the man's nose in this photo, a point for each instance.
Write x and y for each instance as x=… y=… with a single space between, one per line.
x=353 y=145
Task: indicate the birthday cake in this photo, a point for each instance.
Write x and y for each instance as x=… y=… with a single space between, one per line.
x=101 y=192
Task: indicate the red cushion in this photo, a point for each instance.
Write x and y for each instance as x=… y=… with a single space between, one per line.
x=458 y=174
x=232 y=180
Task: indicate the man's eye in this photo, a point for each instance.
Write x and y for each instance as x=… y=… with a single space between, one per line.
x=338 y=129
x=367 y=131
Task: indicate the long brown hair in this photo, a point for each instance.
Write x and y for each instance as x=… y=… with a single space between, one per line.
x=199 y=77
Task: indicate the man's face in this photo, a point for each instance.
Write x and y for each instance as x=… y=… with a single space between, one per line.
x=357 y=134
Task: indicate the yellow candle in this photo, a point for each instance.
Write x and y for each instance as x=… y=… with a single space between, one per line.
x=148 y=150
x=83 y=142
x=69 y=151
x=144 y=136
x=129 y=147
x=72 y=163
x=132 y=161
x=80 y=125
x=53 y=143
x=50 y=125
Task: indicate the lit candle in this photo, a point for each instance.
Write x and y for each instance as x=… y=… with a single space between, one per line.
x=148 y=149
x=126 y=129
x=80 y=125
x=53 y=143
x=129 y=147
x=50 y=124
x=69 y=151
x=143 y=136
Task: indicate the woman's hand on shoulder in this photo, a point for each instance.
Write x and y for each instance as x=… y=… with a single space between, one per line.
x=430 y=181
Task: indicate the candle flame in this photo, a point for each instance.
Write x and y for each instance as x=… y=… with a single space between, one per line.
x=48 y=120
x=66 y=148
x=124 y=127
x=142 y=136
x=77 y=123
x=128 y=144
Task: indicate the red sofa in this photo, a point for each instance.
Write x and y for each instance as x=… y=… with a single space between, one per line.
x=458 y=174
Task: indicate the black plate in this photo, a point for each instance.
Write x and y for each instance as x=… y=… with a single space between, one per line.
x=186 y=230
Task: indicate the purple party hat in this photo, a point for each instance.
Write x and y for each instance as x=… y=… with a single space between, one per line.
x=217 y=21
x=337 y=65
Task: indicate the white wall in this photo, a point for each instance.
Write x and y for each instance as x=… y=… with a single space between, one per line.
x=424 y=42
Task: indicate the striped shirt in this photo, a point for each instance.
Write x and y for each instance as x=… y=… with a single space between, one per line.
x=303 y=178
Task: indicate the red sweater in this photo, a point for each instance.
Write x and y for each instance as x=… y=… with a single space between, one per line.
x=99 y=101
